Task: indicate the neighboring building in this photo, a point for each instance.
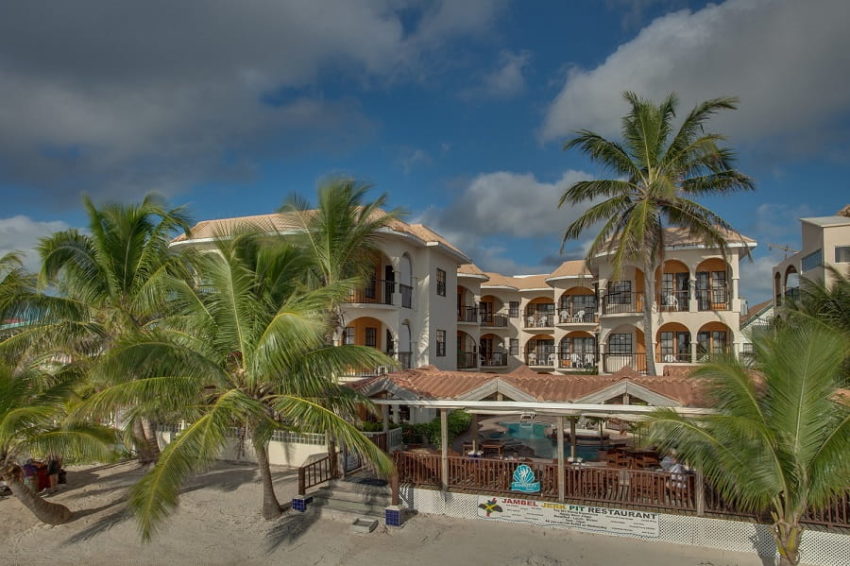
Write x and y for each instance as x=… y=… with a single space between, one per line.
x=573 y=320
x=826 y=242
x=756 y=320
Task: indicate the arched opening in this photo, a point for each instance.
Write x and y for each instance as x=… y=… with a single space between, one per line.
x=625 y=295
x=540 y=313
x=466 y=309
x=625 y=348
x=405 y=285
x=792 y=283
x=491 y=351
x=371 y=332
x=540 y=351
x=380 y=284
x=489 y=311
x=577 y=350
x=713 y=285
x=577 y=305
x=713 y=338
x=673 y=343
x=467 y=351
x=673 y=283
x=777 y=288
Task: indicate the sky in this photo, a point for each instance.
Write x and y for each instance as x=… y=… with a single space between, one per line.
x=458 y=110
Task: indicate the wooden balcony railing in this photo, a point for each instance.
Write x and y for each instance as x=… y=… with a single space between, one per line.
x=494 y=360
x=614 y=362
x=467 y=314
x=315 y=473
x=467 y=360
x=377 y=291
x=494 y=320
x=625 y=302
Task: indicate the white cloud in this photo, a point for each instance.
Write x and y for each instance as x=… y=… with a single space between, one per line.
x=786 y=60
x=412 y=157
x=21 y=234
x=140 y=97
x=757 y=277
x=506 y=81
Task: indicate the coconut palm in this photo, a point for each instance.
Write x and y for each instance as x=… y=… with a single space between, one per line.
x=249 y=351
x=779 y=441
x=33 y=422
x=115 y=278
x=658 y=172
x=340 y=234
x=822 y=303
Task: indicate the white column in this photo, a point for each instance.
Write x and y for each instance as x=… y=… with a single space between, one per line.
x=692 y=295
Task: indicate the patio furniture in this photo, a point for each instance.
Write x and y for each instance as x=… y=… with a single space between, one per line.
x=578 y=316
x=496 y=446
x=565 y=316
x=553 y=359
x=532 y=359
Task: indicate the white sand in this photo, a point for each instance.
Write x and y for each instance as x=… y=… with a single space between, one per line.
x=218 y=522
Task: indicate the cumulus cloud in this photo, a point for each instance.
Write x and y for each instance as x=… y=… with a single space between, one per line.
x=157 y=95
x=506 y=81
x=22 y=233
x=786 y=61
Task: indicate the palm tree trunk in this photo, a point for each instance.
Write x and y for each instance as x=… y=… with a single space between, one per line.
x=47 y=512
x=648 y=329
x=149 y=432
x=142 y=446
x=271 y=506
x=788 y=537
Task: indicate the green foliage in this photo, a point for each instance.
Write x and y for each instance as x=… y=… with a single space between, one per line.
x=429 y=433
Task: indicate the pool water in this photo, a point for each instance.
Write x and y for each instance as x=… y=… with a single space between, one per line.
x=534 y=436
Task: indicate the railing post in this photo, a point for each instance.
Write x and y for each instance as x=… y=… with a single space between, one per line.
x=394 y=489
x=444 y=448
x=562 y=480
x=302 y=481
x=699 y=482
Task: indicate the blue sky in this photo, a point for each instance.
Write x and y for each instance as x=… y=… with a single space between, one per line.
x=458 y=110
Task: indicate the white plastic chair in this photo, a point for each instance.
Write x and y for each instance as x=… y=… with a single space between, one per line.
x=553 y=359
x=669 y=358
x=576 y=360
x=671 y=302
x=588 y=360
x=565 y=315
x=532 y=359
x=531 y=321
x=578 y=316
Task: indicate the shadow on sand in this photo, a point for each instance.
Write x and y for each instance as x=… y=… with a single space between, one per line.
x=289 y=528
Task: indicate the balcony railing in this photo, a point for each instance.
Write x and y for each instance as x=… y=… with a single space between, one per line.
x=612 y=363
x=494 y=320
x=577 y=315
x=494 y=360
x=406 y=295
x=468 y=314
x=713 y=300
x=467 y=360
x=577 y=360
x=538 y=358
x=539 y=319
x=377 y=291
x=792 y=294
x=673 y=301
x=674 y=358
x=404 y=360
x=623 y=302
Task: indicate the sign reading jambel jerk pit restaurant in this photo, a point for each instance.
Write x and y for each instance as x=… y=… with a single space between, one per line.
x=570 y=516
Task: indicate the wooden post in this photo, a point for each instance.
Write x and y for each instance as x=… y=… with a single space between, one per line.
x=699 y=485
x=302 y=481
x=385 y=415
x=394 y=489
x=562 y=473
x=444 y=447
x=573 y=438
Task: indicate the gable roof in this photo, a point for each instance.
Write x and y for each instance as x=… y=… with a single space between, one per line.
x=756 y=310
x=571 y=269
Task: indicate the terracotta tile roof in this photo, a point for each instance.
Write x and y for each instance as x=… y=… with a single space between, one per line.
x=429 y=382
x=681 y=237
x=756 y=310
x=498 y=280
x=471 y=269
x=571 y=268
x=521 y=282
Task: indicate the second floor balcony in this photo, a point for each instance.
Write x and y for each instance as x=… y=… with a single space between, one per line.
x=623 y=302
x=376 y=292
x=494 y=360
x=494 y=320
x=716 y=299
x=467 y=314
x=670 y=300
x=467 y=360
x=575 y=314
x=613 y=362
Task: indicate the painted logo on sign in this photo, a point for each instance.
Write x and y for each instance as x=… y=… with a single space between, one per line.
x=490 y=506
x=524 y=480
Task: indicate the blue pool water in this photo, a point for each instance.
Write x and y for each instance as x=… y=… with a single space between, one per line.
x=534 y=436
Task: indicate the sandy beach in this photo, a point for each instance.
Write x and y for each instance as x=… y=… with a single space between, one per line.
x=218 y=523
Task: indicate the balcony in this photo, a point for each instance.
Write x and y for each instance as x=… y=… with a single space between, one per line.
x=674 y=301
x=494 y=360
x=541 y=358
x=713 y=299
x=577 y=360
x=674 y=358
x=792 y=294
x=575 y=314
x=467 y=315
x=404 y=360
x=467 y=360
x=614 y=362
x=623 y=302
x=406 y=295
x=376 y=292
x=493 y=320
x=539 y=320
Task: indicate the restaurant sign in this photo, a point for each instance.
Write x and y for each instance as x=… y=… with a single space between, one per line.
x=588 y=518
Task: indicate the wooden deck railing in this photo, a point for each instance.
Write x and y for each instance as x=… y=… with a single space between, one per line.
x=315 y=473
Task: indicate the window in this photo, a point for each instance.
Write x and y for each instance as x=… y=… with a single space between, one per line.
x=620 y=292
x=348 y=336
x=372 y=337
x=713 y=342
x=813 y=260
x=712 y=290
x=513 y=309
x=842 y=254
x=514 y=348
x=620 y=344
x=675 y=347
x=441 y=282
x=441 y=343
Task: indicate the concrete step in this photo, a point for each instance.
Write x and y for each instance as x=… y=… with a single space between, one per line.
x=361 y=487
x=352 y=507
x=377 y=498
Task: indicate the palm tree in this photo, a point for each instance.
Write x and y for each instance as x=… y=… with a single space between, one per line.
x=340 y=234
x=115 y=278
x=33 y=421
x=248 y=350
x=779 y=441
x=823 y=303
x=658 y=174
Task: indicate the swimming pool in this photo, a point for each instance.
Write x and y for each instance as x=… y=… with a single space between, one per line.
x=534 y=436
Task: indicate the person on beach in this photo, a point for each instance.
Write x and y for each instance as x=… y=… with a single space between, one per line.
x=54 y=464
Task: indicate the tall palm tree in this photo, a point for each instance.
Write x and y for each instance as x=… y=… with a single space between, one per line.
x=33 y=422
x=779 y=442
x=340 y=234
x=247 y=350
x=115 y=276
x=659 y=172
